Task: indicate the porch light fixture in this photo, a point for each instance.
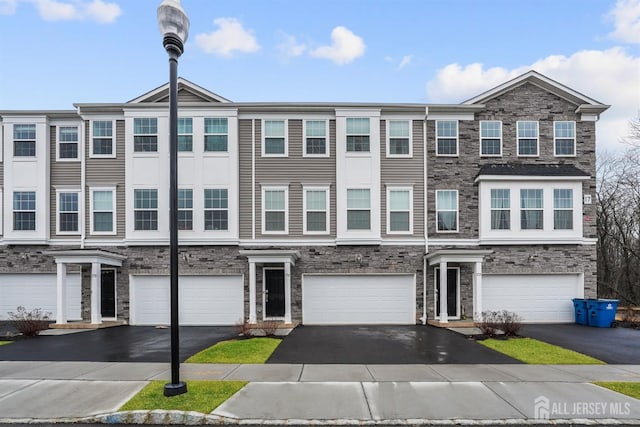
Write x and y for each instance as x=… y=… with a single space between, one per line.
x=174 y=26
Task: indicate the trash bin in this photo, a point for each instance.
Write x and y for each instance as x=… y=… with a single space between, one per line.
x=580 y=310
x=602 y=312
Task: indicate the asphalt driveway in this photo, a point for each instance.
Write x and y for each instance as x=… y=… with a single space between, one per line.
x=611 y=345
x=382 y=344
x=117 y=344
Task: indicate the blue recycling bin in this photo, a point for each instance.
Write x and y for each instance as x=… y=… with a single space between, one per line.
x=602 y=312
x=580 y=311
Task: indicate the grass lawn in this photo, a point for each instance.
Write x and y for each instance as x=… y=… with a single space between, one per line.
x=537 y=352
x=630 y=389
x=201 y=396
x=252 y=350
x=5 y=342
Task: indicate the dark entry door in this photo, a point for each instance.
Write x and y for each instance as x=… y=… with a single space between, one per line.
x=108 y=293
x=274 y=293
x=452 y=291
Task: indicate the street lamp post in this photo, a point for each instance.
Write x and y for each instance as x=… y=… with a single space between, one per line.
x=174 y=26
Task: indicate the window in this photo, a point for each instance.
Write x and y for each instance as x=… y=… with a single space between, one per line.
x=399 y=210
x=185 y=209
x=447 y=210
x=24 y=210
x=316 y=207
x=68 y=212
x=531 y=209
x=490 y=138
x=446 y=137
x=216 y=209
x=102 y=138
x=275 y=140
x=145 y=135
x=527 y=138
x=358 y=134
x=145 y=208
x=274 y=218
x=564 y=137
x=68 y=142
x=24 y=140
x=315 y=142
x=185 y=134
x=102 y=211
x=500 y=209
x=563 y=209
x=399 y=138
x=358 y=209
x=216 y=134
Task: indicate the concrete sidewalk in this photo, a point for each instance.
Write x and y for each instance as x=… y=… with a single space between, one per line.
x=326 y=393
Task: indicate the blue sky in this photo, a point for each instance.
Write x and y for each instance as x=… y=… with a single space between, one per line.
x=57 y=52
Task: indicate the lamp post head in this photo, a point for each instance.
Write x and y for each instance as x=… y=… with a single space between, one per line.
x=174 y=26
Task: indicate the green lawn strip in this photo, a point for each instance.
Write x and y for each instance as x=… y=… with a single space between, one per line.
x=630 y=389
x=529 y=350
x=5 y=342
x=252 y=350
x=201 y=396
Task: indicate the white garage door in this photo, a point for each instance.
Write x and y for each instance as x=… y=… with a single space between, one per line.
x=358 y=299
x=203 y=300
x=37 y=291
x=536 y=298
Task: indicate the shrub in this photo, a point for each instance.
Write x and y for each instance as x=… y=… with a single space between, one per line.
x=489 y=323
x=510 y=323
x=243 y=328
x=269 y=327
x=30 y=323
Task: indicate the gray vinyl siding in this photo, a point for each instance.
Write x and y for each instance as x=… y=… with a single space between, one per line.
x=245 y=178
x=296 y=171
x=107 y=172
x=66 y=175
x=405 y=172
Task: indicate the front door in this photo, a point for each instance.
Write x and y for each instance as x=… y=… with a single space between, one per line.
x=453 y=307
x=273 y=293
x=108 y=293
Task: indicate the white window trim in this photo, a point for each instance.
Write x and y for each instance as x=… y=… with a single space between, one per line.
x=563 y=209
x=510 y=210
x=537 y=139
x=347 y=134
x=480 y=138
x=13 y=144
x=457 y=138
x=157 y=135
x=286 y=209
x=575 y=141
x=205 y=209
x=113 y=207
x=457 y=212
x=157 y=209
x=521 y=209
x=68 y=233
x=286 y=137
x=388 y=131
x=58 y=142
x=113 y=140
x=304 y=138
x=190 y=209
x=304 y=209
x=187 y=152
x=371 y=228
x=35 y=210
x=411 y=209
x=204 y=134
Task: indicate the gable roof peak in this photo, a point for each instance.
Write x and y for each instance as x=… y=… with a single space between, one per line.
x=161 y=93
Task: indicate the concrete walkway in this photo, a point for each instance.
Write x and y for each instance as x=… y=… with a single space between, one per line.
x=344 y=393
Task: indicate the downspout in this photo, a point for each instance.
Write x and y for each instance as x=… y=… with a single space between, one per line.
x=83 y=190
x=253 y=179
x=424 y=216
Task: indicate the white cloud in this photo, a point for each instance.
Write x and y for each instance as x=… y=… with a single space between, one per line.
x=406 y=60
x=626 y=20
x=345 y=47
x=610 y=76
x=230 y=37
x=290 y=46
x=101 y=11
x=96 y=10
x=8 y=7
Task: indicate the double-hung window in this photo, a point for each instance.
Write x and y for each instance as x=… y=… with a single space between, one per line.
x=275 y=139
x=527 y=138
x=531 y=209
x=145 y=135
x=24 y=210
x=500 y=209
x=185 y=134
x=145 y=208
x=315 y=138
x=102 y=138
x=274 y=210
x=216 y=134
x=316 y=207
x=68 y=212
x=68 y=142
x=399 y=138
x=563 y=209
x=185 y=209
x=24 y=140
x=399 y=210
x=358 y=134
x=216 y=209
x=564 y=138
x=358 y=209
x=490 y=138
x=103 y=211
x=447 y=210
x=446 y=137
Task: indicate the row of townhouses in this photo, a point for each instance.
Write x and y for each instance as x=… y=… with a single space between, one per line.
x=314 y=213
